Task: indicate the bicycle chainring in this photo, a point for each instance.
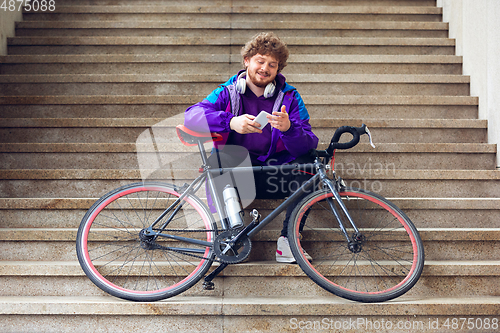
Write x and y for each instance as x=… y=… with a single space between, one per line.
x=232 y=253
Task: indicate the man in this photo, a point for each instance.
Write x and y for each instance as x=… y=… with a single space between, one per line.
x=232 y=108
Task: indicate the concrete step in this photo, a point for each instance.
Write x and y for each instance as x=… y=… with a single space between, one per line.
x=255 y=2
x=427 y=234
x=226 y=66
x=409 y=130
x=154 y=48
x=243 y=7
x=341 y=102
x=249 y=314
x=66 y=278
x=240 y=12
x=228 y=45
x=179 y=67
x=81 y=130
x=217 y=78
x=336 y=84
x=71 y=183
x=58 y=244
x=55 y=212
x=176 y=25
x=125 y=156
x=234 y=29
x=152 y=110
x=227 y=58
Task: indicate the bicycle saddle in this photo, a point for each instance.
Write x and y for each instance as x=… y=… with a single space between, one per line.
x=191 y=138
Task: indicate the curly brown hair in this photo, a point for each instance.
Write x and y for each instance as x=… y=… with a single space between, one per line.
x=267 y=43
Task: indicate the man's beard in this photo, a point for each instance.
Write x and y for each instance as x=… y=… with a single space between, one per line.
x=255 y=80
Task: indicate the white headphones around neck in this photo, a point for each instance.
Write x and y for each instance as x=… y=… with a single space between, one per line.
x=241 y=86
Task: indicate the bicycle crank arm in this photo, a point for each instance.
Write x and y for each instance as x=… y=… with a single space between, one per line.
x=255 y=222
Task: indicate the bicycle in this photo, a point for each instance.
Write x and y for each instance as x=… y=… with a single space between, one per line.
x=149 y=241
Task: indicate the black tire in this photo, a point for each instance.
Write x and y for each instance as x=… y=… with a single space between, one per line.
x=388 y=261
x=112 y=255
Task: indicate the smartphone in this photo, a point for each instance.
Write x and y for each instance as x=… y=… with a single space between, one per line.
x=261 y=119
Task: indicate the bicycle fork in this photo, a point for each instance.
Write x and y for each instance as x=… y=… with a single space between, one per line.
x=354 y=242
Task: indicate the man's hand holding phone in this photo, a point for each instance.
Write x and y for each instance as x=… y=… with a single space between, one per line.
x=244 y=124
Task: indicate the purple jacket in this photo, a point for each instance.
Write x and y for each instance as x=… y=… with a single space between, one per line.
x=215 y=112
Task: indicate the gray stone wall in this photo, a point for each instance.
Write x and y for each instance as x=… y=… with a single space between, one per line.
x=7 y=26
x=474 y=25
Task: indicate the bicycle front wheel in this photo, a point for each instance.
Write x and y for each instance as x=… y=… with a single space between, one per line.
x=380 y=263
x=117 y=256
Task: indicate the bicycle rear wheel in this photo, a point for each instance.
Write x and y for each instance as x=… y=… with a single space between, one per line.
x=116 y=255
x=387 y=260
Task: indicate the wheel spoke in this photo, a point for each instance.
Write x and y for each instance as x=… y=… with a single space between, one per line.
x=123 y=261
x=378 y=264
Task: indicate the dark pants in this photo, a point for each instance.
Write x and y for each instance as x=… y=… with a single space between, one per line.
x=276 y=184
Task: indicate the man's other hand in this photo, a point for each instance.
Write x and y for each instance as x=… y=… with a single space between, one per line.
x=280 y=120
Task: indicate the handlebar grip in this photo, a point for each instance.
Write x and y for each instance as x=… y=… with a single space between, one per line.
x=356 y=133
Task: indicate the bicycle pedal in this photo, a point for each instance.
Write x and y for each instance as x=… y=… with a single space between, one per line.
x=255 y=215
x=208 y=285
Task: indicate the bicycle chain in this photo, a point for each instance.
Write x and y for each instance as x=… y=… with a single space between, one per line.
x=194 y=230
x=189 y=254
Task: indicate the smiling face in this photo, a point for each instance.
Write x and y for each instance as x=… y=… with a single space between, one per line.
x=261 y=69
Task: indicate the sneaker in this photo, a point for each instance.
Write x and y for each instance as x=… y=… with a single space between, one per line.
x=284 y=254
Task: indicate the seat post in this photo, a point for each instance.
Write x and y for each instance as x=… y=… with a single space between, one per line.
x=211 y=186
x=203 y=154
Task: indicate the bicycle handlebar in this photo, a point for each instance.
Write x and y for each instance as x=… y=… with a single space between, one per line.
x=356 y=133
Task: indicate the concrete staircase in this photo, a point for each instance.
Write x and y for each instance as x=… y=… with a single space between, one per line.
x=81 y=83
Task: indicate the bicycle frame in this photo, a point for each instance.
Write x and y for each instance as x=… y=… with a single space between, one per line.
x=251 y=229
x=133 y=259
